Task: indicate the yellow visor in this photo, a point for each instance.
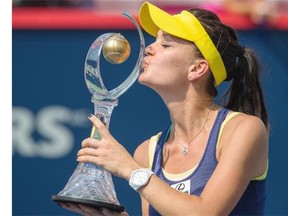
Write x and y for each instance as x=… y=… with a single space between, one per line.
x=186 y=26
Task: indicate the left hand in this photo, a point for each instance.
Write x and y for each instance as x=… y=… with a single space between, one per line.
x=107 y=152
x=90 y=211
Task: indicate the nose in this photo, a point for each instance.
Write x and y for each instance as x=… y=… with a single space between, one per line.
x=149 y=50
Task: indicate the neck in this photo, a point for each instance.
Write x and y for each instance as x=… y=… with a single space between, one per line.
x=188 y=118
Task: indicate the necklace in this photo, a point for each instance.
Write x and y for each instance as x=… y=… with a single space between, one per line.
x=186 y=147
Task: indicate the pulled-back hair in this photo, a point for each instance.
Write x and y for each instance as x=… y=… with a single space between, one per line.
x=242 y=67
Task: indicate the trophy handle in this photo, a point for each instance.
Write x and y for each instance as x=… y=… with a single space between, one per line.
x=92 y=73
x=115 y=93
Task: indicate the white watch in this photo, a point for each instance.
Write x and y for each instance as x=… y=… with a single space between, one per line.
x=139 y=178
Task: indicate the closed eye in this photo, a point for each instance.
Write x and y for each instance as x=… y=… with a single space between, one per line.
x=165 y=45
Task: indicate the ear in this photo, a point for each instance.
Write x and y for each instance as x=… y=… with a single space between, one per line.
x=198 y=69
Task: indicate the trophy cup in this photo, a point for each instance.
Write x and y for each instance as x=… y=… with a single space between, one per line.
x=90 y=184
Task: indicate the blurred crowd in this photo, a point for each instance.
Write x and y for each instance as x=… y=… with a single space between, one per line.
x=259 y=11
x=52 y=3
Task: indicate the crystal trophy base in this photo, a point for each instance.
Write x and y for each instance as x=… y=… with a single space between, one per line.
x=92 y=186
x=91 y=203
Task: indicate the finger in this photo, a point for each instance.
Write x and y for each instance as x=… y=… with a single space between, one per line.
x=102 y=129
x=88 y=155
x=108 y=212
x=90 y=210
x=87 y=151
x=90 y=159
x=124 y=214
x=72 y=207
x=90 y=143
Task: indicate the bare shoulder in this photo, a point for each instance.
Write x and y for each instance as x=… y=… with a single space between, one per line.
x=246 y=129
x=142 y=152
x=246 y=124
x=245 y=138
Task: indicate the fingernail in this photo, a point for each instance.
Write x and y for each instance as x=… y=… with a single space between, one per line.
x=90 y=115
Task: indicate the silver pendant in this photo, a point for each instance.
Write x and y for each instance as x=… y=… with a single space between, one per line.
x=185 y=150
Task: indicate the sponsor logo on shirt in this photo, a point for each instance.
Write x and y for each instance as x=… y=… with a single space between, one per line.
x=183 y=186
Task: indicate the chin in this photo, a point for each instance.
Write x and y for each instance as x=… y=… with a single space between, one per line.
x=141 y=79
x=145 y=79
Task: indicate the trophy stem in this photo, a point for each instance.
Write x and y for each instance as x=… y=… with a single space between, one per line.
x=103 y=110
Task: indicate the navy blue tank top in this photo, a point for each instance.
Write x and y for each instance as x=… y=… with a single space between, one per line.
x=251 y=203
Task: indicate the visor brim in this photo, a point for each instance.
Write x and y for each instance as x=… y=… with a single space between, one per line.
x=152 y=19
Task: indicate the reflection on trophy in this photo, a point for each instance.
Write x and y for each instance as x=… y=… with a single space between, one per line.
x=90 y=184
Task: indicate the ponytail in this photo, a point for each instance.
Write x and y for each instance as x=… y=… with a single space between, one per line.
x=245 y=92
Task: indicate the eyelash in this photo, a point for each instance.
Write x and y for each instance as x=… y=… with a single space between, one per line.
x=164 y=45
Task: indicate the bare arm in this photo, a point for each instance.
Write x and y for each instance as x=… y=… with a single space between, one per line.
x=243 y=156
x=141 y=155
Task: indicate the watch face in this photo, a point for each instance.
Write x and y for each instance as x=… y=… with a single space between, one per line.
x=140 y=177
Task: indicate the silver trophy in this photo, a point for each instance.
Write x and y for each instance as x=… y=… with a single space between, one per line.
x=90 y=184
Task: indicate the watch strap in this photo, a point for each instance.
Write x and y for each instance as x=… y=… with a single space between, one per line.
x=136 y=185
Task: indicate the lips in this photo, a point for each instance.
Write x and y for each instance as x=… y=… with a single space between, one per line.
x=145 y=64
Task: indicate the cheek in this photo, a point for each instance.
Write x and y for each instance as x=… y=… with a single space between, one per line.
x=170 y=63
x=177 y=67
x=165 y=70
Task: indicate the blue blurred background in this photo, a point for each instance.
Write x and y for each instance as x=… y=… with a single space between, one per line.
x=51 y=103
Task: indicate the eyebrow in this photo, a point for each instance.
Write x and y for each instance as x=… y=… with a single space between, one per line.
x=167 y=37
x=164 y=33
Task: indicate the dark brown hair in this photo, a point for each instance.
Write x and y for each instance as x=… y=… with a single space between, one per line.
x=242 y=67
